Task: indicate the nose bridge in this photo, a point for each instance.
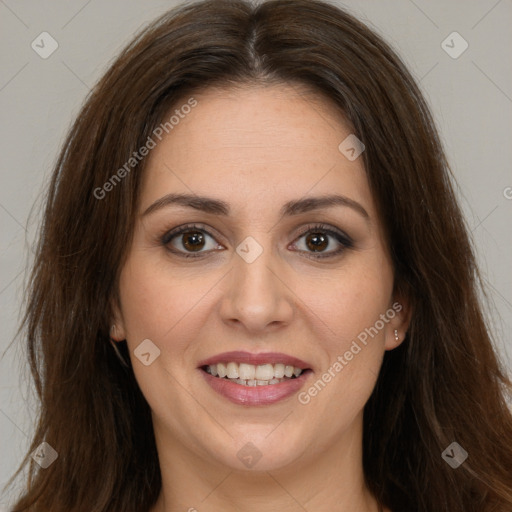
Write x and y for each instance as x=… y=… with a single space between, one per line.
x=257 y=296
x=252 y=267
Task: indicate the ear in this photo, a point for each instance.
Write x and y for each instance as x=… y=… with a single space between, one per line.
x=117 y=324
x=399 y=314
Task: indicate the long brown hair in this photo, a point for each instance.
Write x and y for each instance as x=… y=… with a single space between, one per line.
x=443 y=384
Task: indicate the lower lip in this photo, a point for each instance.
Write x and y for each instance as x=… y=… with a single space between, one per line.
x=256 y=395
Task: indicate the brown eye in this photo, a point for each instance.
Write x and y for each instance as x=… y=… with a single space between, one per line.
x=317 y=241
x=189 y=241
x=326 y=242
x=193 y=240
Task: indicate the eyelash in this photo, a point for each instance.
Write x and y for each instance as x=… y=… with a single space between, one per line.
x=343 y=239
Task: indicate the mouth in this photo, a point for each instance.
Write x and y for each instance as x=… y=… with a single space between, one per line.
x=255 y=379
x=251 y=375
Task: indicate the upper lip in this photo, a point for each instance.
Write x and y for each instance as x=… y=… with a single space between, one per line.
x=255 y=359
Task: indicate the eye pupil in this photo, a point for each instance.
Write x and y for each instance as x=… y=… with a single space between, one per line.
x=190 y=241
x=193 y=240
x=318 y=240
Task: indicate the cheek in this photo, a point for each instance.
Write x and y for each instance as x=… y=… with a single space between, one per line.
x=353 y=310
x=155 y=302
x=168 y=308
x=351 y=300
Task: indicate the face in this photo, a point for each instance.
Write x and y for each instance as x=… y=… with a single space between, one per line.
x=262 y=275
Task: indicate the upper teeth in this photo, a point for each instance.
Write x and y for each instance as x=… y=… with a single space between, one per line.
x=249 y=371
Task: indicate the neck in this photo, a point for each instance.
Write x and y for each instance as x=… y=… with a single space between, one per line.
x=327 y=481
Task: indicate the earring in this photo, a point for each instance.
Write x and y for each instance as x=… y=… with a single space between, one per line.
x=397 y=338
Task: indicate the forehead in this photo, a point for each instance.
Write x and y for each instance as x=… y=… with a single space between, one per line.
x=258 y=144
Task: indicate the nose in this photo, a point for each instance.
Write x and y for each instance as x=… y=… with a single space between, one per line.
x=257 y=296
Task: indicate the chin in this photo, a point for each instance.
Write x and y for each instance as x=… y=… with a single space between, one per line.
x=261 y=449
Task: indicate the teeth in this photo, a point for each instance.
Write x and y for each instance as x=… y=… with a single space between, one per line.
x=221 y=370
x=251 y=375
x=288 y=371
x=258 y=382
x=232 y=371
x=279 y=371
x=247 y=371
x=264 y=372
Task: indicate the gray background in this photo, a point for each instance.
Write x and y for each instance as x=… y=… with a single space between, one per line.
x=470 y=96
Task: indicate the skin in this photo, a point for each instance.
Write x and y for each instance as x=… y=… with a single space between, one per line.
x=257 y=148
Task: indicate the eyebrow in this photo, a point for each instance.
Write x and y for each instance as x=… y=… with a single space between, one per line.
x=219 y=207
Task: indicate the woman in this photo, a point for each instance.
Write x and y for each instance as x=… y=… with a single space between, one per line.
x=254 y=289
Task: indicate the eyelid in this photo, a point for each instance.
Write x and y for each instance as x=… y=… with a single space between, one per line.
x=341 y=237
x=331 y=230
x=169 y=234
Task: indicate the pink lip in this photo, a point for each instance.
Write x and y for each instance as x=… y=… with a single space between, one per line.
x=255 y=359
x=255 y=395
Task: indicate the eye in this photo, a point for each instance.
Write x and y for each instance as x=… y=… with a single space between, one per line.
x=191 y=241
x=317 y=240
x=188 y=241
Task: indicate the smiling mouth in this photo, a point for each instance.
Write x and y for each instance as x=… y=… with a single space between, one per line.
x=254 y=375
